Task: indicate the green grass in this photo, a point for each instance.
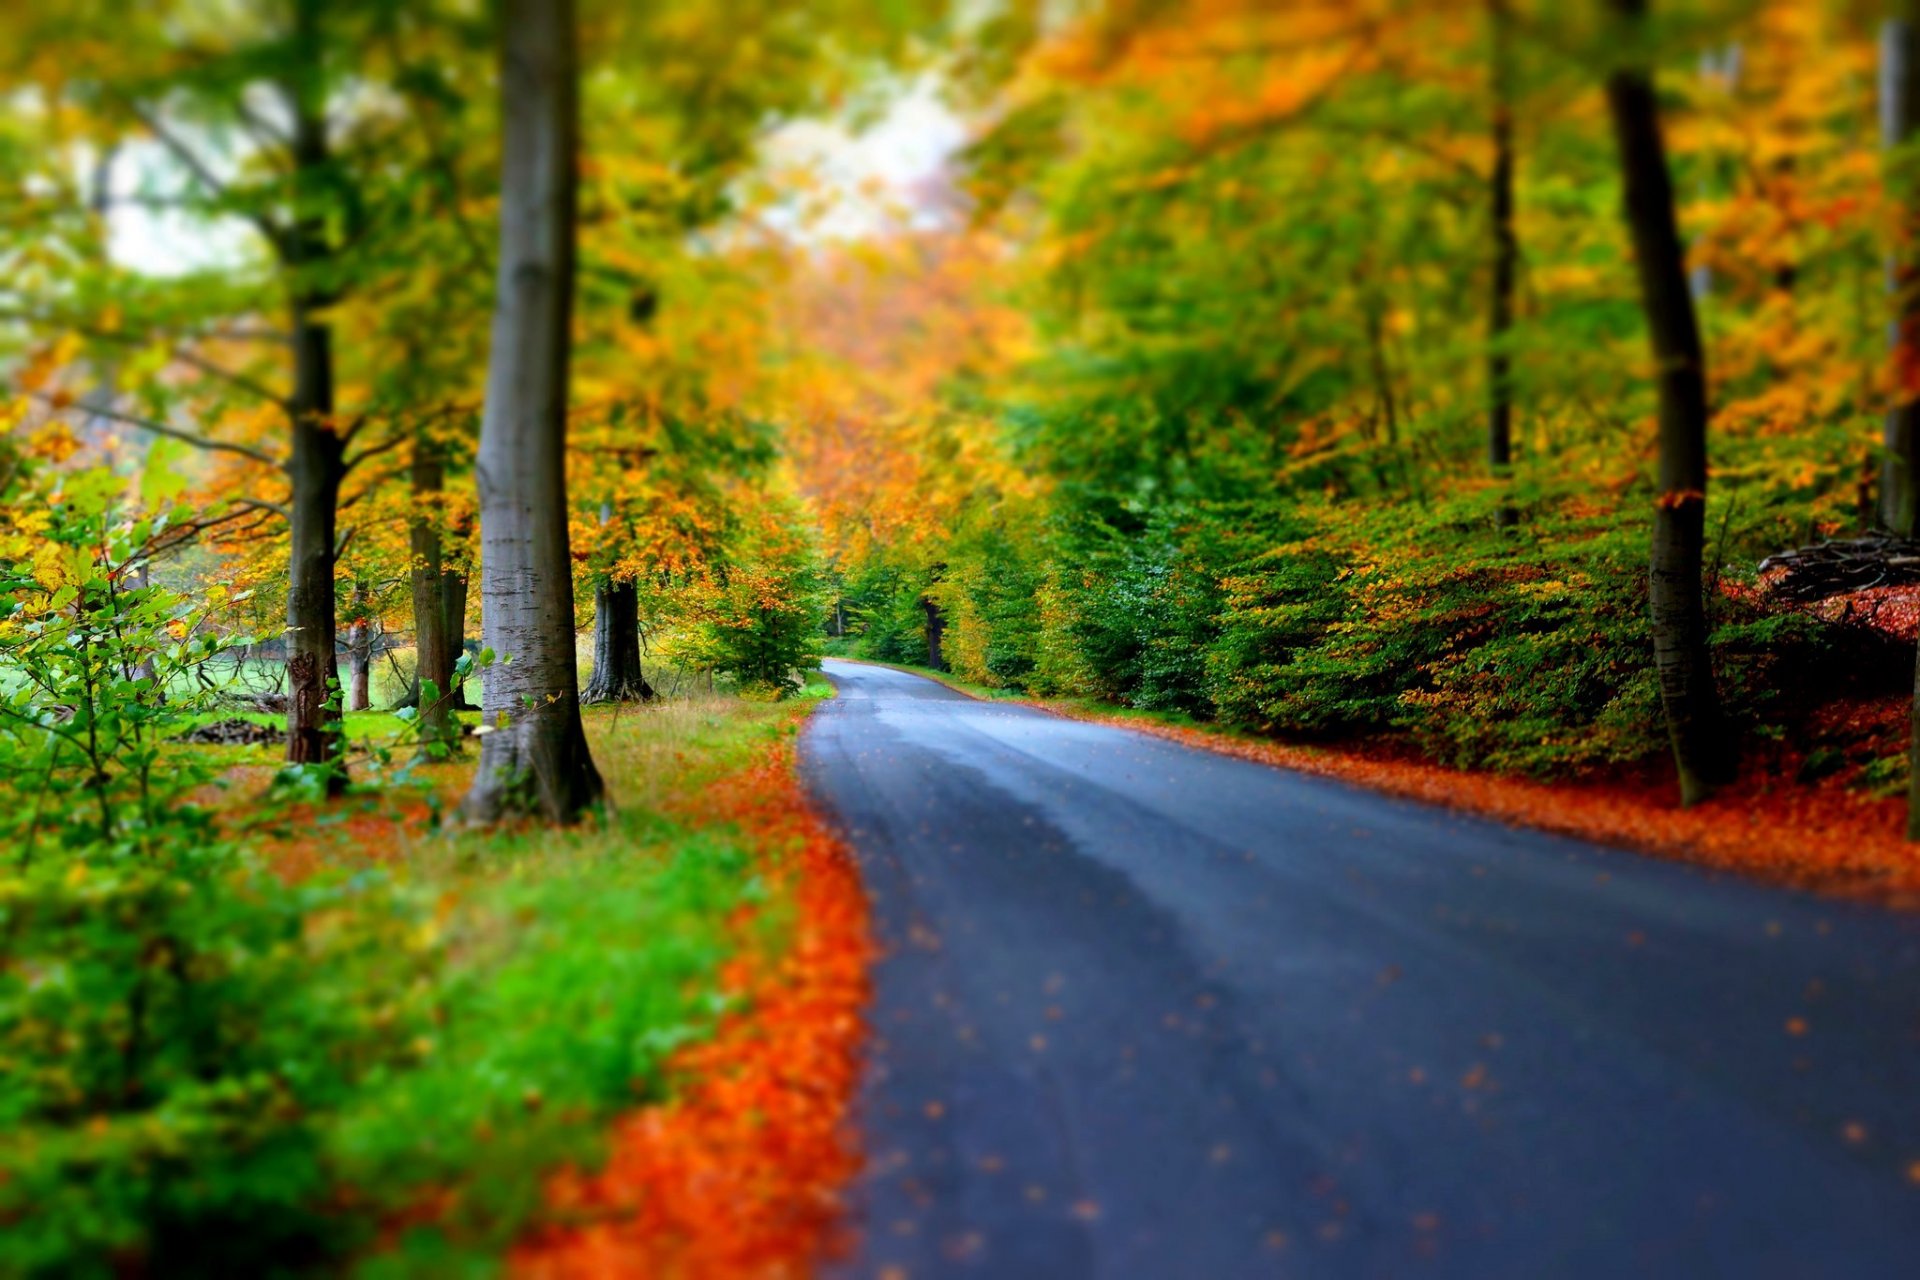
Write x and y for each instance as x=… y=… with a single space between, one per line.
x=432 y=1022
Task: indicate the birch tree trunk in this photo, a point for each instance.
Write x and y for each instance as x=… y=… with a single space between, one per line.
x=535 y=758
x=1696 y=725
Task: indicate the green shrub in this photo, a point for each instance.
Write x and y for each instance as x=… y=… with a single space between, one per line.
x=174 y=1034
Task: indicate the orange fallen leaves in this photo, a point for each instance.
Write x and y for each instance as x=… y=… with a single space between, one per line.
x=1816 y=836
x=740 y=1175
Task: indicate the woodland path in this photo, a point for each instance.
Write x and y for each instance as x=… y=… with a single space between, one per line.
x=1151 y=1012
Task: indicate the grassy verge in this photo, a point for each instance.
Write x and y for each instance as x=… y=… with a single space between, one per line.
x=367 y=1039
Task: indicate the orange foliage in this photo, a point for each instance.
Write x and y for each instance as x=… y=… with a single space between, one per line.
x=740 y=1174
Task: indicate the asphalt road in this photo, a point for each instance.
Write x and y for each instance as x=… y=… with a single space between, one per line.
x=1151 y=1012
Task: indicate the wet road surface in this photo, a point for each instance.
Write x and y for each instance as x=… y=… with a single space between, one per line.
x=1151 y=1012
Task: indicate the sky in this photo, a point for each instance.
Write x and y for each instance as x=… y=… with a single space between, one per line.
x=867 y=183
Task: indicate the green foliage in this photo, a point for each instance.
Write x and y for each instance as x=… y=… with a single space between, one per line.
x=96 y=668
x=174 y=1033
x=1521 y=650
x=758 y=617
x=884 y=608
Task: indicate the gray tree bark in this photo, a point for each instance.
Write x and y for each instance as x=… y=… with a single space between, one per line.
x=535 y=759
x=617 y=676
x=1696 y=725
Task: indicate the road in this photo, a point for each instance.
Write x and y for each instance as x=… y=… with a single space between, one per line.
x=1146 y=1011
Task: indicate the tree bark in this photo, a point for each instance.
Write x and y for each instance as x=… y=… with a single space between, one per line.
x=316 y=469
x=936 y=629
x=1696 y=725
x=318 y=460
x=1506 y=260
x=535 y=759
x=359 y=653
x=455 y=627
x=1899 y=121
x=435 y=644
x=617 y=676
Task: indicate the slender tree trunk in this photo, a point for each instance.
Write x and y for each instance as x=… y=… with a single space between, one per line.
x=435 y=649
x=617 y=676
x=316 y=470
x=1506 y=260
x=317 y=464
x=454 y=592
x=936 y=630
x=359 y=652
x=1899 y=482
x=1899 y=122
x=1702 y=747
x=535 y=758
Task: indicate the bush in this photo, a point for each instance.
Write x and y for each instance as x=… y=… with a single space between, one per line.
x=173 y=1035
x=760 y=617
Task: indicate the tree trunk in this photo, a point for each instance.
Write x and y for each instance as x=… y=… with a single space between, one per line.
x=318 y=460
x=359 y=652
x=536 y=757
x=1506 y=259
x=1899 y=121
x=1695 y=723
x=936 y=628
x=435 y=647
x=616 y=646
x=316 y=468
x=454 y=592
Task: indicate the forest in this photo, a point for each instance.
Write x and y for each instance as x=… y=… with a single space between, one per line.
x=441 y=441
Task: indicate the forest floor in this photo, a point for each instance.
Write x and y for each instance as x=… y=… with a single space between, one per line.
x=1811 y=812
x=703 y=953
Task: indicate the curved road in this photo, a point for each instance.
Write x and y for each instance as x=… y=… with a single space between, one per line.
x=1150 y=1012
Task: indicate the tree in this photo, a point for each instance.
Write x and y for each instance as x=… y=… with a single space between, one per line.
x=535 y=756
x=1899 y=125
x=1506 y=257
x=617 y=675
x=1696 y=726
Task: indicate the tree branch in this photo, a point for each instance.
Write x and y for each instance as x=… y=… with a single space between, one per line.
x=172 y=433
x=201 y=171
x=261 y=504
x=375 y=450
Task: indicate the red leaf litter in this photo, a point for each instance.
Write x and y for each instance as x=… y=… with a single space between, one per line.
x=740 y=1175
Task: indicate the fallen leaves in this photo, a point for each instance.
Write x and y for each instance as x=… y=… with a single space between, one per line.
x=1818 y=836
x=740 y=1174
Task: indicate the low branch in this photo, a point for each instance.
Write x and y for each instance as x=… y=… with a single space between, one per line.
x=373 y=451
x=162 y=429
x=261 y=504
x=134 y=339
